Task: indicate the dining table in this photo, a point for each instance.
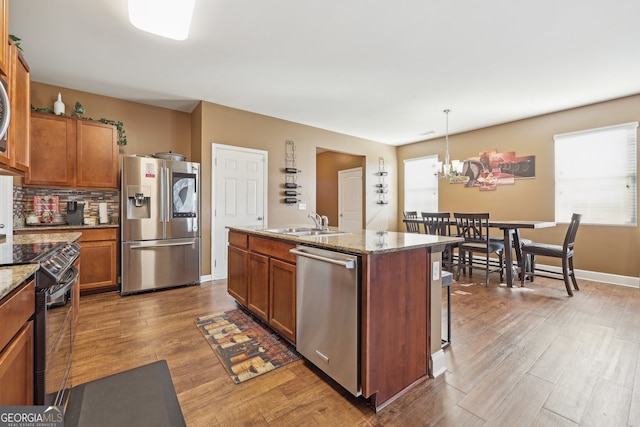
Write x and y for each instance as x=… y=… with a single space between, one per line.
x=511 y=233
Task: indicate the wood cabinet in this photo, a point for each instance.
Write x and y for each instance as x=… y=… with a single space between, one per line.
x=98 y=255
x=16 y=157
x=97 y=155
x=282 y=298
x=262 y=277
x=258 y=286
x=52 y=151
x=69 y=152
x=17 y=346
x=237 y=263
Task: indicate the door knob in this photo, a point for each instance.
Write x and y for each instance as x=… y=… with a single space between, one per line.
x=260 y=218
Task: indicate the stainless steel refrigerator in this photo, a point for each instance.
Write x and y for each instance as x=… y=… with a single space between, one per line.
x=160 y=223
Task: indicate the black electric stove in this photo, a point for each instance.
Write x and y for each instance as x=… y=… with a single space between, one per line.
x=54 y=257
x=29 y=253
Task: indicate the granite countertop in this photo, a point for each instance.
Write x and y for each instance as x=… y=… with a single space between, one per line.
x=12 y=276
x=364 y=242
x=19 y=239
x=47 y=227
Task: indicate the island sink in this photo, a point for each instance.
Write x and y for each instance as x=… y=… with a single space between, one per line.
x=303 y=231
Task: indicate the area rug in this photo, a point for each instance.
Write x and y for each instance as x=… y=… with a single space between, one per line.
x=245 y=347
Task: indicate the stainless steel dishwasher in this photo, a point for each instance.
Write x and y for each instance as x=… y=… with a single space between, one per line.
x=328 y=313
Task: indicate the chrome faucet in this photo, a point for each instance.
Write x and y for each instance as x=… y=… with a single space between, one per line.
x=325 y=222
x=317 y=220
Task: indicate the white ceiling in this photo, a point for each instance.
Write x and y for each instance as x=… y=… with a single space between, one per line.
x=375 y=69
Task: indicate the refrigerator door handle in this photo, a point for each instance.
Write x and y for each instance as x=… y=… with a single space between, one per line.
x=162 y=194
x=161 y=244
x=168 y=194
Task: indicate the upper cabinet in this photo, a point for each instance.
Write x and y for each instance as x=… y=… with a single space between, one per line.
x=20 y=95
x=16 y=157
x=75 y=153
x=4 y=35
x=97 y=155
x=53 y=151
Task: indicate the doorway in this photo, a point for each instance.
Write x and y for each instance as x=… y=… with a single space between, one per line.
x=238 y=196
x=328 y=165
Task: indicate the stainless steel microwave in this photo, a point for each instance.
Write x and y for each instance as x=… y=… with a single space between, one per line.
x=5 y=114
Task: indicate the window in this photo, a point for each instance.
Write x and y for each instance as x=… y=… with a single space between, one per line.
x=596 y=175
x=420 y=184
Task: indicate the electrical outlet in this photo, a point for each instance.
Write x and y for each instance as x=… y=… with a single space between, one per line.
x=302 y=206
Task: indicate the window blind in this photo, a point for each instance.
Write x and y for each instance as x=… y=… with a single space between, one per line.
x=420 y=184
x=596 y=175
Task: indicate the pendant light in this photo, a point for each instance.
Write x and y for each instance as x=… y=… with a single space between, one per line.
x=450 y=168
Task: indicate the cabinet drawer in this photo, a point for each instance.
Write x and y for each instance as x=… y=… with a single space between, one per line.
x=240 y=240
x=274 y=248
x=97 y=234
x=15 y=310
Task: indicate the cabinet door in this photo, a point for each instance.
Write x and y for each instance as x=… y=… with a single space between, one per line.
x=282 y=317
x=20 y=96
x=52 y=151
x=237 y=267
x=16 y=369
x=99 y=266
x=97 y=155
x=258 y=286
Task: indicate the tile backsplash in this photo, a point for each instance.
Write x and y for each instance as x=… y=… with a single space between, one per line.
x=23 y=200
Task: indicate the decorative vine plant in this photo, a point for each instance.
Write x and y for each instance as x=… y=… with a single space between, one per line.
x=122 y=137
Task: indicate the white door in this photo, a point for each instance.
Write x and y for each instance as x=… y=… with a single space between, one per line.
x=350 y=199
x=239 y=197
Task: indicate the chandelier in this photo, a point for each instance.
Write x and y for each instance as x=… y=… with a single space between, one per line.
x=450 y=168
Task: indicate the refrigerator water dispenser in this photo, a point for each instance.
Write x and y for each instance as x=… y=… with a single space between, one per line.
x=138 y=202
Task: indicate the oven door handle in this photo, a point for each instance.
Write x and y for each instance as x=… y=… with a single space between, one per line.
x=68 y=284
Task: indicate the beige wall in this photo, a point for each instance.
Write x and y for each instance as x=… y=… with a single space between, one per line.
x=230 y=126
x=148 y=129
x=534 y=198
x=328 y=164
x=151 y=129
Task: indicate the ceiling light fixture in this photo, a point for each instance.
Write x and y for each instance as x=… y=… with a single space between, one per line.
x=450 y=168
x=166 y=18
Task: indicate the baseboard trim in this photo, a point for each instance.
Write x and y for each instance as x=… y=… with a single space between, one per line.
x=206 y=278
x=437 y=364
x=595 y=276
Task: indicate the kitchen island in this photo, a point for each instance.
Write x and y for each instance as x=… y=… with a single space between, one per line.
x=400 y=298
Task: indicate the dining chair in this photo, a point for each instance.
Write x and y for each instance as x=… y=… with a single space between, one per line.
x=412 y=227
x=474 y=228
x=438 y=223
x=564 y=251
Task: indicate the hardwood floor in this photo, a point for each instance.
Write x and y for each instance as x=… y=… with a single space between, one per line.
x=519 y=357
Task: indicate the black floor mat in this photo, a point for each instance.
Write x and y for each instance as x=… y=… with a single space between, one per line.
x=142 y=396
